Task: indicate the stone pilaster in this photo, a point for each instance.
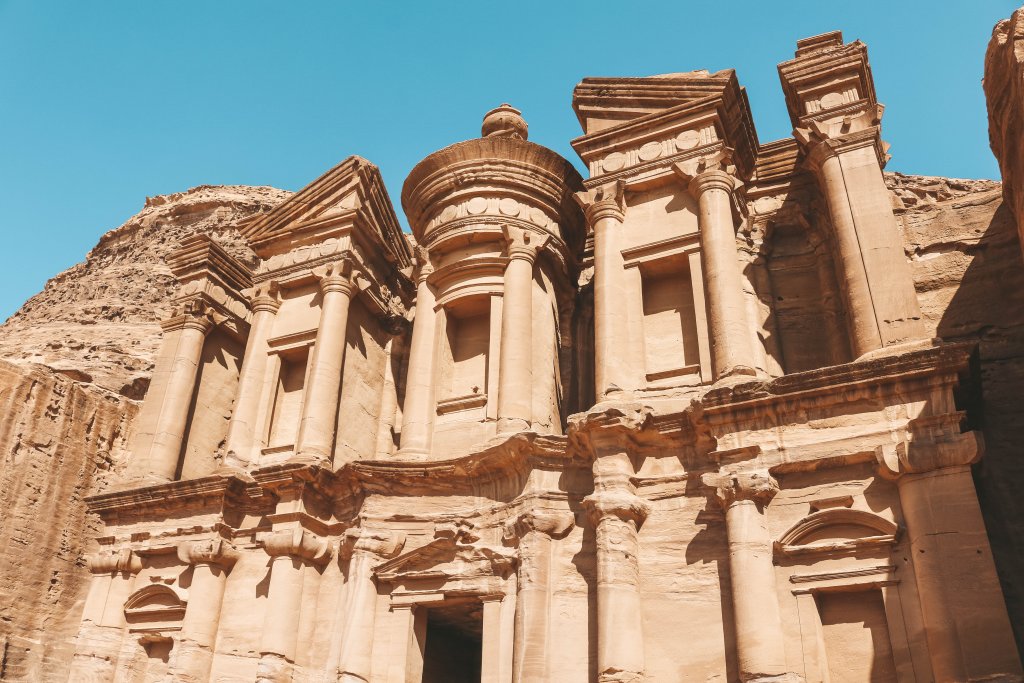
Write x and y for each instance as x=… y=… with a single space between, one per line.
x=211 y=561
x=515 y=388
x=368 y=548
x=962 y=606
x=418 y=412
x=157 y=446
x=315 y=442
x=711 y=181
x=760 y=646
x=534 y=531
x=289 y=550
x=616 y=513
x=605 y=210
x=241 y=438
x=101 y=632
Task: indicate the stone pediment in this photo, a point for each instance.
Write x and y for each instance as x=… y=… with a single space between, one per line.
x=446 y=559
x=351 y=191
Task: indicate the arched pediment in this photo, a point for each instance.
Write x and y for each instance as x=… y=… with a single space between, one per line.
x=155 y=602
x=836 y=531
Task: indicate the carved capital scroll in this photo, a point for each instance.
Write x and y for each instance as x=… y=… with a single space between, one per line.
x=554 y=524
x=265 y=296
x=604 y=201
x=376 y=542
x=215 y=551
x=712 y=171
x=522 y=243
x=298 y=543
x=620 y=505
x=759 y=487
x=193 y=314
x=109 y=561
x=341 y=276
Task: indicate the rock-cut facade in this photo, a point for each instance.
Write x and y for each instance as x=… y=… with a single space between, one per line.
x=679 y=420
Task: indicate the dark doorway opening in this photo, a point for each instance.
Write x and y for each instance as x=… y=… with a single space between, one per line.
x=453 y=643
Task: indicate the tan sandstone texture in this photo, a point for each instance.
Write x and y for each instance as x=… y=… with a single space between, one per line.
x=716 y=412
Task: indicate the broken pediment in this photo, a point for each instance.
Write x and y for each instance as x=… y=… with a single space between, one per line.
x=351 y=193
x=444 y=558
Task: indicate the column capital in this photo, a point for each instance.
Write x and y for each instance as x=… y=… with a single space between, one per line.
x=377 y=542
x=297 y=543
x=110 y=561
x=523 y=243
x=759 y=487
x=929 y=452
x=603 y=201
x=621 y=505
x=213 y=551
x=341 y=276
x=423 y=267
x=613 y=428
x=194 y=314
x=709 y=172
x=820 y=141
x=266 y=296
x=552 y=523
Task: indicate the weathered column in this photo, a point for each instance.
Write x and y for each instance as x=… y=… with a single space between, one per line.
x=98 y=644
x=962 y=606
x=712 y=185
x=241 y=437
x=368 y=549
x=616 y=513
x=165 y=415
x=407 y=638
x=877 y=284
x=515 y=388
x=211 y=561
x=315 y=441
x=496 y=645
x=605 y=210
x=289 y=551
x=418 y=411
x=534 y=531
x=760 y=646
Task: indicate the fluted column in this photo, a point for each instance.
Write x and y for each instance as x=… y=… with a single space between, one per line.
x=877 y=284
x=711 y=183
x=760 y=646
x=515 y=383
x=241 y=437
x=962 y=606
x=101 y=632
x=315 y=441
x=418 y=411
x=211 y=561
x=289 y=551
x=534 y=531
x=165 y=413
x=605 y=210
x=368 y=548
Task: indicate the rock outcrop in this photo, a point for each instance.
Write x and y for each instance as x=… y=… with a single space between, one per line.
x=76 y=362
x=1004 y=91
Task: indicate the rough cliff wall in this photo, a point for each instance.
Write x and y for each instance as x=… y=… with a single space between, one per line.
x=962 y=241
x=75 y=363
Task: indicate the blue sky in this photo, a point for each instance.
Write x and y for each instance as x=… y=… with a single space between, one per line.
x=104 y=103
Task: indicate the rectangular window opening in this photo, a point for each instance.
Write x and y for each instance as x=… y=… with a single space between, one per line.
x=670 y=322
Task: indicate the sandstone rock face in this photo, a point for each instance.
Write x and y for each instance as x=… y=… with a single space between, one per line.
x=1004 y=92
x=77 y=360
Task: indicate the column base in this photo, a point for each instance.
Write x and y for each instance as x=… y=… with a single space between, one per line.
x=897 y=349
x=737 y=374
x=310 y=460
x=512 y=425
x=774 y=678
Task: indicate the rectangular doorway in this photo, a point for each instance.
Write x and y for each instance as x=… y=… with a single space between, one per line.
x=454 y=643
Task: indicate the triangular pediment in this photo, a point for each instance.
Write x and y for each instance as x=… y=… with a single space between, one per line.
x=445 y=558
x=353 y=190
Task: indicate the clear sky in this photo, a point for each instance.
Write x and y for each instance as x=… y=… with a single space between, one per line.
x=104 y=103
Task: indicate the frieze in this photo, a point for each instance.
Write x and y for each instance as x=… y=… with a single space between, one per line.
x=678 y=143
x=504 y=207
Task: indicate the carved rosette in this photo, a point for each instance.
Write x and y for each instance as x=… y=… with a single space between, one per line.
x=297 y=543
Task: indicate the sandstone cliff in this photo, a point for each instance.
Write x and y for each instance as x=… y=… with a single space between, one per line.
x=76 y=361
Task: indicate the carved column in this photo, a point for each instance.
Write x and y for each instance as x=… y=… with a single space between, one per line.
x=878 y=287
x=101 y=632
x=605 y=210
x=616 y=513
x=162 y=429
x=515 y=390
x=315 y=441
x=211 y=561
x=711 y=183
x=760 y=646
x=369 y=548
x=241 y=437
x=534 y=531
x=289 y=551
x=962 y=606
x=418 y=412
